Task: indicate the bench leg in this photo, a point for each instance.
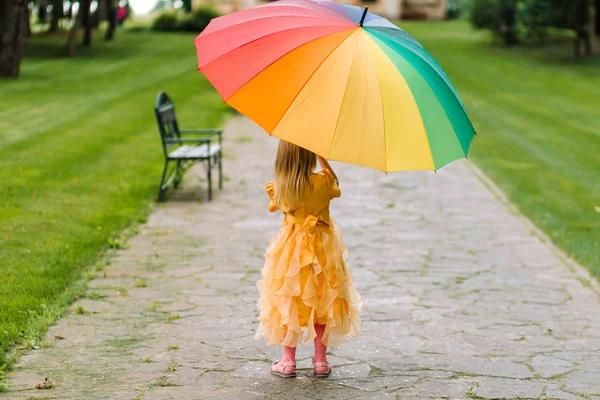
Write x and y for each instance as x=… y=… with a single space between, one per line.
x=220 y=172
x=161 y=189
x=178 y=175
x=209 y=178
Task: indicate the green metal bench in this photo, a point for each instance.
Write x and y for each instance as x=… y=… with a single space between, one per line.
x=183 y=148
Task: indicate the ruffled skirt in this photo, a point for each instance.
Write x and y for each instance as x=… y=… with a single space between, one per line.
x=306 y=282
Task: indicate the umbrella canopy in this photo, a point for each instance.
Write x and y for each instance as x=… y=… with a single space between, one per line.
x=337 y=80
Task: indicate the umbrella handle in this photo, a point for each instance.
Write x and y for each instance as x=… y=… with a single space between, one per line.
x=362 y=19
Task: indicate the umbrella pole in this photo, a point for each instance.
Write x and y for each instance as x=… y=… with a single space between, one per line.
x=362 y=19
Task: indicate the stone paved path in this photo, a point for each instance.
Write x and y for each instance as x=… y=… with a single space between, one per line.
x=464 y=301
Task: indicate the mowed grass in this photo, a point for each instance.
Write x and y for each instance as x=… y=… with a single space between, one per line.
x=80 y=160
x=537 y=114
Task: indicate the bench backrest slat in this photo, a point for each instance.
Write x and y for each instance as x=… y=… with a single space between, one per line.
x=167 y=121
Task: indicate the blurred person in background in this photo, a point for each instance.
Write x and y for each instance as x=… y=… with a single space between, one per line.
x=122 y=12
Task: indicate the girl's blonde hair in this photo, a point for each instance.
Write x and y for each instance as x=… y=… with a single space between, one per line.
x=294 y=167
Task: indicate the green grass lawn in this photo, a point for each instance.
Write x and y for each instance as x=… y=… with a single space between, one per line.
x=80 y=160
x=537 y=114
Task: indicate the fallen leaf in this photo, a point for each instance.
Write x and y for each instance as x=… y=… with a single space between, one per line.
x=47 y=384
x=58 y=337
x=597 y=208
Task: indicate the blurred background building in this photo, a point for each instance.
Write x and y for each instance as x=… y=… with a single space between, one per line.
x=393 y=9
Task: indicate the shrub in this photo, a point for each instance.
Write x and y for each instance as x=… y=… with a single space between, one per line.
x=198 y=19
x=454 y=9
x=499 y=16
x=195 y=21
x=515 y=20
x=166 y=21
x=536 y=16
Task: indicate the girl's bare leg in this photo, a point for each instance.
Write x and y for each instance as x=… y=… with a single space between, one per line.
x=289 y=354
x=320 y=348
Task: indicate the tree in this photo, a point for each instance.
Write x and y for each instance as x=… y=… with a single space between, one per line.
x=499 y=16
x=73 y=35
x=28 y=23
x=57 y=14
x=187 y=6
x=111 y=13
x=86 y=21
x=13 y=28
x=530 y=20
x=597 y=10
x=585 y=36
x=509 y=22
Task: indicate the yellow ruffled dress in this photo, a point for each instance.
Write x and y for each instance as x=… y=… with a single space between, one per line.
x=305 y=277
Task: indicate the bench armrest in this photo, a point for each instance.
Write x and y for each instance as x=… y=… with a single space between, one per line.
x=202 y=132
x=193 y=140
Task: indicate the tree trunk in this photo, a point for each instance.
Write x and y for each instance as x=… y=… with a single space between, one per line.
x=509 y=28
x=27 y=22
x=585 y=36
x=111 y=11
x=597 y=10
x=187 y=6
x=57 y=14
x=588 y=27
x=86 y=21
x=98 y=15
x=13 y=25
x=73 y=35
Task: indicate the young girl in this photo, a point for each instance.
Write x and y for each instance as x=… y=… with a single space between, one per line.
x=306 y=286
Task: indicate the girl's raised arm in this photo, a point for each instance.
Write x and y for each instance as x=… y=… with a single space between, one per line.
x=325 y=165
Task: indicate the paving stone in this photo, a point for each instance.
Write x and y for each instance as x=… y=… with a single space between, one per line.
x=555 y=393
x=380 y=383
x=548 y=367
x=251 y=369
x=462 y=299
x=582 y=383
x=508 y=388
x=490 y=367
x=446 y=389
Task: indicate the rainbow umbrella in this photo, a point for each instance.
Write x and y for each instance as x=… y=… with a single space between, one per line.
x=339 y=81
